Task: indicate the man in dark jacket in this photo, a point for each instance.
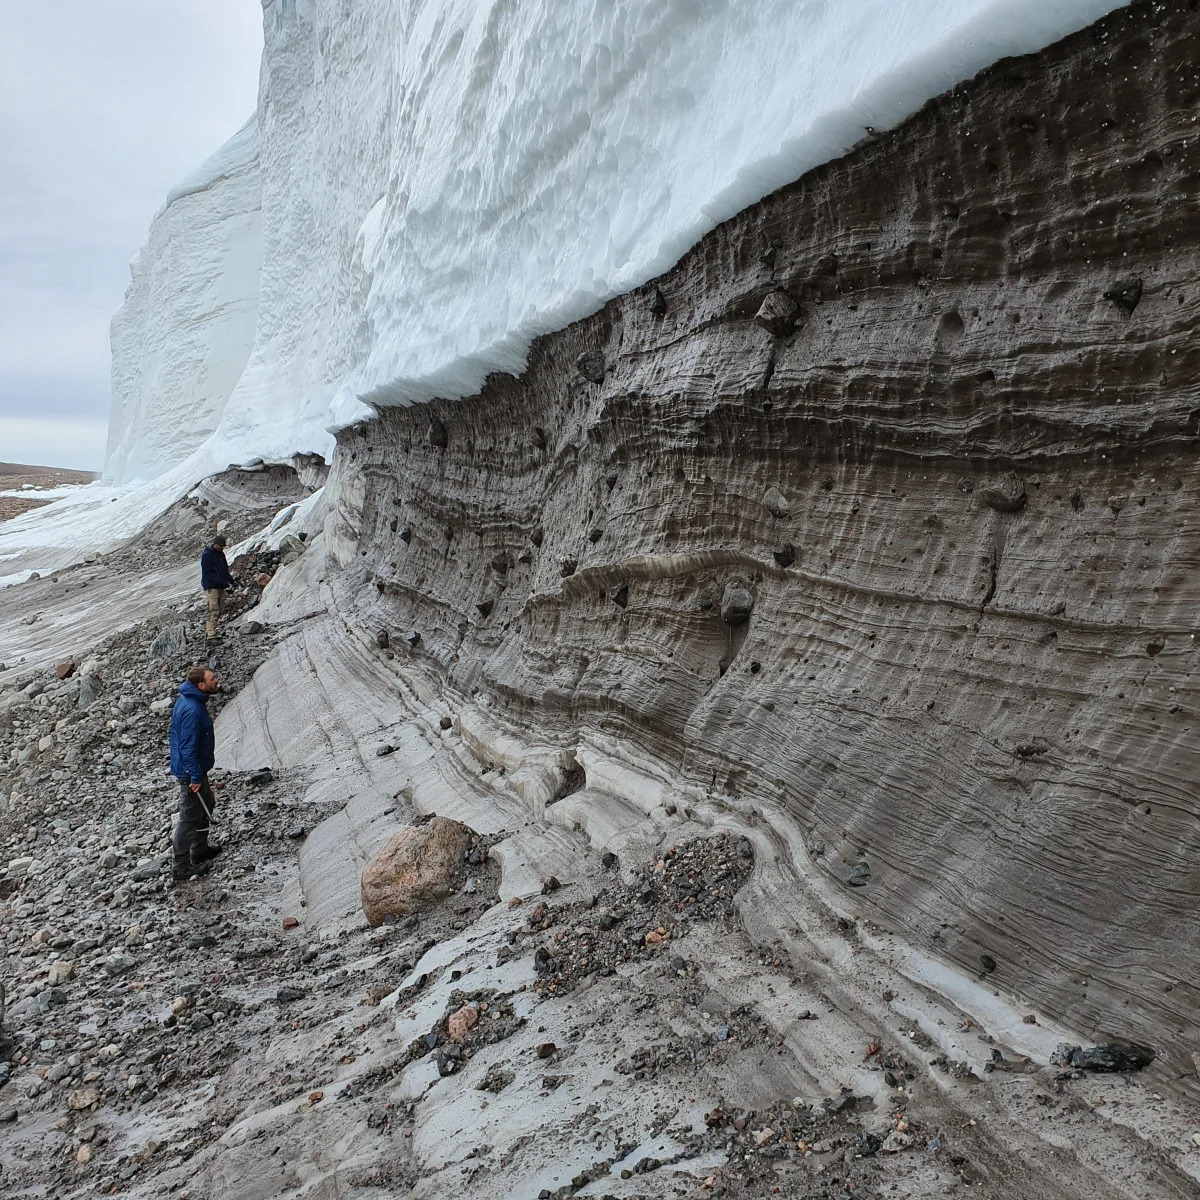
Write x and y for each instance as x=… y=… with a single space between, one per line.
x=214 y=579
x=192 y=757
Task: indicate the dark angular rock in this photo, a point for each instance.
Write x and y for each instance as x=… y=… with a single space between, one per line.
x=568 y=567
x=658 y=303
x=537 y=535
x=1111 y=1056
x=170 y=643
x=619 y=595
x=1033 y=749
x=1006 y=494
x=860 y=875
x=148 y=870
x=591 y=366
x=446 y=723
x=384 y=750
x=1126 y=294
x=736 y=604
x=406 y=535
x=413 y=639
x=867 y=1144
x=437 y=434
x=89 y=689
x=499 y=564
x=382 y=640
x=785 y=555
x=778 y=314
x=485 y=607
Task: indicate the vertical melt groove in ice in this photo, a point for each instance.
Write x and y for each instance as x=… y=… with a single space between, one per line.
x=442 y=181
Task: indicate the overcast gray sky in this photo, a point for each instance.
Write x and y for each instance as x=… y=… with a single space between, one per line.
x=104 y=105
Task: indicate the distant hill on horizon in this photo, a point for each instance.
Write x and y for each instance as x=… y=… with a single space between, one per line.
x=14 y=476
x=37 y=474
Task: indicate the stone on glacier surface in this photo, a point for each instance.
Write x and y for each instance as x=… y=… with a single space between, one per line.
x=419 y=865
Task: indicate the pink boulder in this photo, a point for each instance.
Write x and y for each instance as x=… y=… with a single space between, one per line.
x=462 y=1022
x=418 y=866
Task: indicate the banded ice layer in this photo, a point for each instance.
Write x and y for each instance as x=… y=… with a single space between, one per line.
x=441 y=182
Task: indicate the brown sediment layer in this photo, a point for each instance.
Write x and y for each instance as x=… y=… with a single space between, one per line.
x=961 y=496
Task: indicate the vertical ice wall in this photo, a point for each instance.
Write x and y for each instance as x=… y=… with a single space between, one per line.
x=182 y=337
x=443 y=180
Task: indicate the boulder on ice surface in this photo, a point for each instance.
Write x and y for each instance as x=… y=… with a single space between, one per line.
x=417 y=867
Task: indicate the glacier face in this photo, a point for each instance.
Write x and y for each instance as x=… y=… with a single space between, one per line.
x=443 y=181
x=181 y=340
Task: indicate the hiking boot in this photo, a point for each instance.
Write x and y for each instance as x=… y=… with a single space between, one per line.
x=200 y=856
x=183 y=874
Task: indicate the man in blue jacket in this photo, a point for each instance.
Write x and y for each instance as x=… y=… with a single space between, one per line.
x=214 y=579
x=192 y=757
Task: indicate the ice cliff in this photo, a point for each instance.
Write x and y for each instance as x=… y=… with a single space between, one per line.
x=864 y=532
x=434 y=184
x=181 y=340
x=866 y=524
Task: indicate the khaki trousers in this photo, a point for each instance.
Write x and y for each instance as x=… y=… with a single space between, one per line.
x=215 y=601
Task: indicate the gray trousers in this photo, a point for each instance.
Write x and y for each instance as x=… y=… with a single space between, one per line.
x=191 y=828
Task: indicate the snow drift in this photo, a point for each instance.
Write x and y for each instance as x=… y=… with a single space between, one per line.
x=441 y=182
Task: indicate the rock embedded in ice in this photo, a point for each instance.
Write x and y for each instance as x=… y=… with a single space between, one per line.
x=736 y=604
x=1006 y=494
x=779 y=314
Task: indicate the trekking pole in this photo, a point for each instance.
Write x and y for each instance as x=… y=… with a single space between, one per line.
x=208 y=812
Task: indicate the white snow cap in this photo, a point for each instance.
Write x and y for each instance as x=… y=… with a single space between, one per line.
x=444 y=180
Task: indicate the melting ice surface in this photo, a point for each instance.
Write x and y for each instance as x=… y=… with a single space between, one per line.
x=431 y=185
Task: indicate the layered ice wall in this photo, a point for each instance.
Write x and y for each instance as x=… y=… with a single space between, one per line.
x=442 y=181
x=181 y=340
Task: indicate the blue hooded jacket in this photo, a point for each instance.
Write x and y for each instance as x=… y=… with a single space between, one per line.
x=214 y=570
x=192 y=741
